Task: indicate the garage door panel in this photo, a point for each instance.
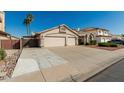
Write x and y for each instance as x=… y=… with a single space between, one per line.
x=71 y=41
x=54 y=41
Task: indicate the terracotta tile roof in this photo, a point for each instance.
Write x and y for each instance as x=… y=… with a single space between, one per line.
x=92 y=29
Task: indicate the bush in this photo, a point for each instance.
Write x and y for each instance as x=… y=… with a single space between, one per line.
x=103 y=44
x=2 y=54
x=93 y=42
x=113 y=45
x=107 y=44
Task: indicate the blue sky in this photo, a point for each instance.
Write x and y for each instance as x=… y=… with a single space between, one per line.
x=113 y=21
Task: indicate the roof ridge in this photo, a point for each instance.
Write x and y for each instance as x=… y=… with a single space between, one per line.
x=43 y=31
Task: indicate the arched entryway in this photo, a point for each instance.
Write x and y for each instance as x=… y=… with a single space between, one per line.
x=91 y=37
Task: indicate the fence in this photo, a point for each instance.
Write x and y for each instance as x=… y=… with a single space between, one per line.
x=10 y=44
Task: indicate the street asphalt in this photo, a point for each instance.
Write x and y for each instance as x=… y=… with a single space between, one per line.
x=114 y=73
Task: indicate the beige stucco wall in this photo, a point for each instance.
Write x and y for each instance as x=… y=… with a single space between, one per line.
x=56 y=33
x=103 y=39
x=3 y=21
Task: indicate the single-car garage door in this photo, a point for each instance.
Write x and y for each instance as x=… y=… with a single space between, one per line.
x=54 y=41
x=71 y=41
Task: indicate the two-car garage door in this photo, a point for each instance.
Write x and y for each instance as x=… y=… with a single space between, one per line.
x=54 y=41
x=58 y=41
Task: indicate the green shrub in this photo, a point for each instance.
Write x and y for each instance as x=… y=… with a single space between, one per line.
x=107 y=44
x=113 y=45
x=103 y=44
x=93 y=42
x=2 y=54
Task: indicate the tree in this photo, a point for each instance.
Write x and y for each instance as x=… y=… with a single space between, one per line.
x=27 y=21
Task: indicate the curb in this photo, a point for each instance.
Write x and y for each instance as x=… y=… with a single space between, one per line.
x=103 y=69
x=86 y=77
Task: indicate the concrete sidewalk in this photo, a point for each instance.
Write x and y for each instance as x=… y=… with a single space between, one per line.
x=63 y=63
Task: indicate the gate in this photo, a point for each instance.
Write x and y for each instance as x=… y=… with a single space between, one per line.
x=30 y=42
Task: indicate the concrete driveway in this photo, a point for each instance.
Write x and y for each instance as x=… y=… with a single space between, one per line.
x=63 y=63
x=88 y=61
x=40 y=64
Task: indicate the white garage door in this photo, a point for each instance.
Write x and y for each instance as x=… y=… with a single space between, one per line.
x=54 y=41
x=71 y=41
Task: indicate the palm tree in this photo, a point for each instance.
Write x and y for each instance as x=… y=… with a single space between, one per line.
x=30 y=19
x=27 y=21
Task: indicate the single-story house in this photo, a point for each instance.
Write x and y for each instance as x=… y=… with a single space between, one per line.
x=60 y=35
x=63 y=35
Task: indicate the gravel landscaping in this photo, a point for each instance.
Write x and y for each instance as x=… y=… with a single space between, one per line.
x=8 y=64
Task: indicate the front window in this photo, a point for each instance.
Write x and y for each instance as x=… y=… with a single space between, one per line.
x=62 y=29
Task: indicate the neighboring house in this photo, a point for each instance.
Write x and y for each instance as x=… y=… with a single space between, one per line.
x=98 y=34
x=2 y=21
x=60 y=35
x=6 y=40
x=3 y=34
